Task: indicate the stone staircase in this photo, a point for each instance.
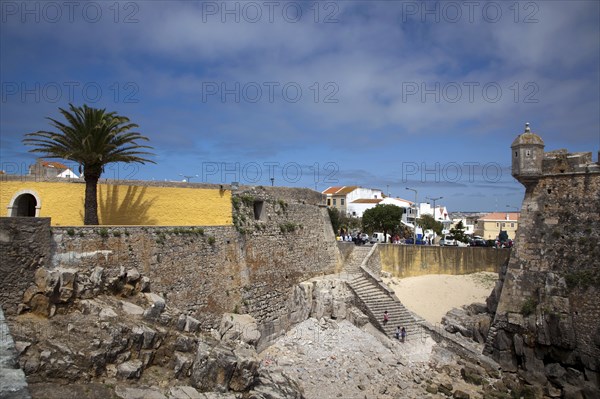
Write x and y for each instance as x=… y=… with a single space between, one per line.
x=375 y=301
x=358 y=255
x=375 y=298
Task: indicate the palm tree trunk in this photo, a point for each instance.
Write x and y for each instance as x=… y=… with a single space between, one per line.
x=91 y=200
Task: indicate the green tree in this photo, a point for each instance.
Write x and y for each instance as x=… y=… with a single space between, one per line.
x=386 y=218
x=93 y=138
x=334 y=216
x=458 y=232
x=427 y=222
x=340 y=221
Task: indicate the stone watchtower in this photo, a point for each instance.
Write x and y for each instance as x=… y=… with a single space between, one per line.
x=527 y=157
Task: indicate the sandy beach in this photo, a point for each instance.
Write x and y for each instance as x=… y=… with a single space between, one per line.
x=432 y=296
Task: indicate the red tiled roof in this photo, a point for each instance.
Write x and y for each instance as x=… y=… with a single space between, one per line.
x=501 y=216
x=340 y=190
x=346 y=190
x=367 y=201
x=331 y=190
x=52 y=164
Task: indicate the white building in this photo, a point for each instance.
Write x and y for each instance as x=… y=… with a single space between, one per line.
x=44 y=169
x=342 y=197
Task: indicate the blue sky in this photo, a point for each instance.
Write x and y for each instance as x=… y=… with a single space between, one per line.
x=387 y=95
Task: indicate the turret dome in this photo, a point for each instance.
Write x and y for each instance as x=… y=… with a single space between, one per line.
x=527 y=138
x=527 y=157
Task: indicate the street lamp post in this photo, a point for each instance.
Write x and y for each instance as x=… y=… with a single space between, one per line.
x=434 y=219
x=414 y=217
x=433 y=200
x=187 y=178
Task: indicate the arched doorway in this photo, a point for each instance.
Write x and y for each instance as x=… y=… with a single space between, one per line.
x=24 y=204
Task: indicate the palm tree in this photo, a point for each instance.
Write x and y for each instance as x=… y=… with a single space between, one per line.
x=93 y=138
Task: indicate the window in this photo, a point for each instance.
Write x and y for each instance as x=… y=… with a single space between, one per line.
x=497 y=224
x=328 y=201
x=516 y=154
x=259 y=210
x=334 y=202
x=342 y=202
x=512 y=225
x=528 y=153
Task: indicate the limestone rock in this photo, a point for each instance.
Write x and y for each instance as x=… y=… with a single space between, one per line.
x=181 y=364
x=458 y=394
x=67 y=281
x=131 y=308
x=157 y=306
x=275 y=385
x=213 y=367
x=185 y=392
x=130 y=370
x=246 y=368
x=107 y=313
x=239 y=327
x=133 y=275
x=138 y=393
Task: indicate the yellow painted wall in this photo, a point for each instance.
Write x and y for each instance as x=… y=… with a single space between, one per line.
x=491 y=231
x=126 y=205
x=409 y=261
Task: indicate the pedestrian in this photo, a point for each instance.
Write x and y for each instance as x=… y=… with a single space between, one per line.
x=398 y=333
x=386 y=317
x=403 y=334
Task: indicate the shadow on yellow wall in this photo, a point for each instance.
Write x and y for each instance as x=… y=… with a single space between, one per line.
x=121 y=205
x=116 y=208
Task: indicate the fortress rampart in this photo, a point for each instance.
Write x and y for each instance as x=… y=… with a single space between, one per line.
x=280 y=237
x=548 y=313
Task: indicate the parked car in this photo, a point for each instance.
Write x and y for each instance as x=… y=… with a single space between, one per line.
x=448 y=241
x=478 y=242
x=360 y=238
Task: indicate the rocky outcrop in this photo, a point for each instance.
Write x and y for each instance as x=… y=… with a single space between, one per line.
x=471 y=321
x=60 y=286
x=98 y=327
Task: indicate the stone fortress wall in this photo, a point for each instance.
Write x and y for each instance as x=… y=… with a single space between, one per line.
x=280 y=237
x=547 y=320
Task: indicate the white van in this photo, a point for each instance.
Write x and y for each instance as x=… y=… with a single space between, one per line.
x=378 y=237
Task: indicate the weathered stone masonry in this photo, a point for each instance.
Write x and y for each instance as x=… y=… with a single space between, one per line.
x=25 y=245
x=548 y=315
x=250 y=267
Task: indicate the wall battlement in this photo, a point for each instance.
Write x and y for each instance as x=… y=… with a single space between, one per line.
x=548 y=308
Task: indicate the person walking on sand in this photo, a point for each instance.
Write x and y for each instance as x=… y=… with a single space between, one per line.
x=403 y=334
x=386 y=317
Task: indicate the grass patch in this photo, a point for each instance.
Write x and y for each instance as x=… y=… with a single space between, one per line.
x=528 y=307
x=288 y=227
